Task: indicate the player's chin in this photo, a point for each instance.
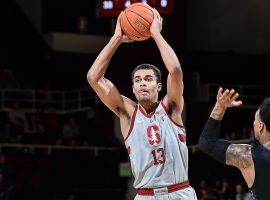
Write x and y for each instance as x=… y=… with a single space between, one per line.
x=144 y=98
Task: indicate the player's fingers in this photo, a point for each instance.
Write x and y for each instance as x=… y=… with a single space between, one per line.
x=159 y=17
x=119 y=16
x=219 y=93
x=235 y=96
x=155 y=13
x=237 y=103
x=225 y=94
x=231 y=94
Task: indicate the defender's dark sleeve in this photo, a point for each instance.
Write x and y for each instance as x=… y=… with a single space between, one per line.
x=210 y=143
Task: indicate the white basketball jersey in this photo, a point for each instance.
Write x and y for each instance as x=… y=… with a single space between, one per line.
x=157 y=149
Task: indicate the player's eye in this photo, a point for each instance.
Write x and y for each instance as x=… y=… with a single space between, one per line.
x=136 y=80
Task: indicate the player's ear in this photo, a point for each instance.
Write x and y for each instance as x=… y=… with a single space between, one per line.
x=159 y=87
x=261 y=127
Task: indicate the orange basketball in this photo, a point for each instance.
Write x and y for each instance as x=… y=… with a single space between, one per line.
x=136 y=21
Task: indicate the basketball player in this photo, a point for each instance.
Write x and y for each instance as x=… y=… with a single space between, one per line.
x=153 y=130
x=253 y=162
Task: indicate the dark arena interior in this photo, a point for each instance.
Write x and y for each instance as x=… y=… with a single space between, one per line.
x=58 y=141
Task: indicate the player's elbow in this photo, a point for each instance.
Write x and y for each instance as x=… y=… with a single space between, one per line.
x=176 y=70
x=91 y=78
x=203 y=144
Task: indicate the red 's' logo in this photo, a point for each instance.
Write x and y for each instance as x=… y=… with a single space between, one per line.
x=153 y=135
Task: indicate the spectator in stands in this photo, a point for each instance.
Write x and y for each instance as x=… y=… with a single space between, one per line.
x=71 y=132
x=233 y=136
x=52 y=125
x=42 y=132
x=30 y=130
x=202 y=186
x=217 y=189
x=87 y=123
x=245 y=133
x=227 y=136
x=238 y=193
x=35 y=126
x=225 y=191
x=205 y=191
x=17 y=119
x=34 y=129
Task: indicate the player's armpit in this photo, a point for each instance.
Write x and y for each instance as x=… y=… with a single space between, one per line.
x=239 y=155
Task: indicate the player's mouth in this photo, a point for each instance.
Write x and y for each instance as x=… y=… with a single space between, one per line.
x=143 y=91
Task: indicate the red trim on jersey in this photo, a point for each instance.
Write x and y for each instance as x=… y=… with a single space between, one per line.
x=129 y=150
x=182 y=137
x=179 y=125
x=146 y=114
x=170 y=188
x=132 y=122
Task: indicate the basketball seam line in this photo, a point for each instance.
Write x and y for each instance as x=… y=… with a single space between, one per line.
x=139 y=15
x=134 y=28
x=121 y=23
x=144 y=7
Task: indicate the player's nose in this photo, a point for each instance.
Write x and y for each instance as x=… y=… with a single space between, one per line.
x=142 y=83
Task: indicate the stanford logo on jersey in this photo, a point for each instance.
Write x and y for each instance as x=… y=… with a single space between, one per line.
x=153 y=135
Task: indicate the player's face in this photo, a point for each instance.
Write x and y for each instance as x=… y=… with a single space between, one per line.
x=257 y=126
x=145 y=86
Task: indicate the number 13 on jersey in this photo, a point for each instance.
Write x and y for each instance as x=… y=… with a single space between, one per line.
x=158 y=156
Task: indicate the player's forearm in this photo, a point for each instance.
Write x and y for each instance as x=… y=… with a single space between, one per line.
x=210 y=143
x=98 y=69
x=168 y=55
x=218 y=112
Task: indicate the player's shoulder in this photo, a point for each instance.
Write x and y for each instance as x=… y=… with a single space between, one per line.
x=239 y=155
x=240 y=148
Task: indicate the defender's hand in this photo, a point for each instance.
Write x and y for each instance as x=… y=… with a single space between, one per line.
x=228 y=98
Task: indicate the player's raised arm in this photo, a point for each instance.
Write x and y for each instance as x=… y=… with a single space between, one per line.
x=238 y=155
x=104 y=88
x=209 y=141
x=175 y=77
x=175 y=85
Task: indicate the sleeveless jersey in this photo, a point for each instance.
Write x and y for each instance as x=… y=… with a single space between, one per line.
x=261 y=158
x=157 y=149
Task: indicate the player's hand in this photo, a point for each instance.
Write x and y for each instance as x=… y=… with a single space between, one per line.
x=156 y=25
x=228 y=98
x=118 y=33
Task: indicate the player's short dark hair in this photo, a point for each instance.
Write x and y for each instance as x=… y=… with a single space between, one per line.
x=264 y=112
x=148 y=66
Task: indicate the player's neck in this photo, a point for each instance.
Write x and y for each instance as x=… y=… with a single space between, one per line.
x=266 y=144
x=148 y=107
